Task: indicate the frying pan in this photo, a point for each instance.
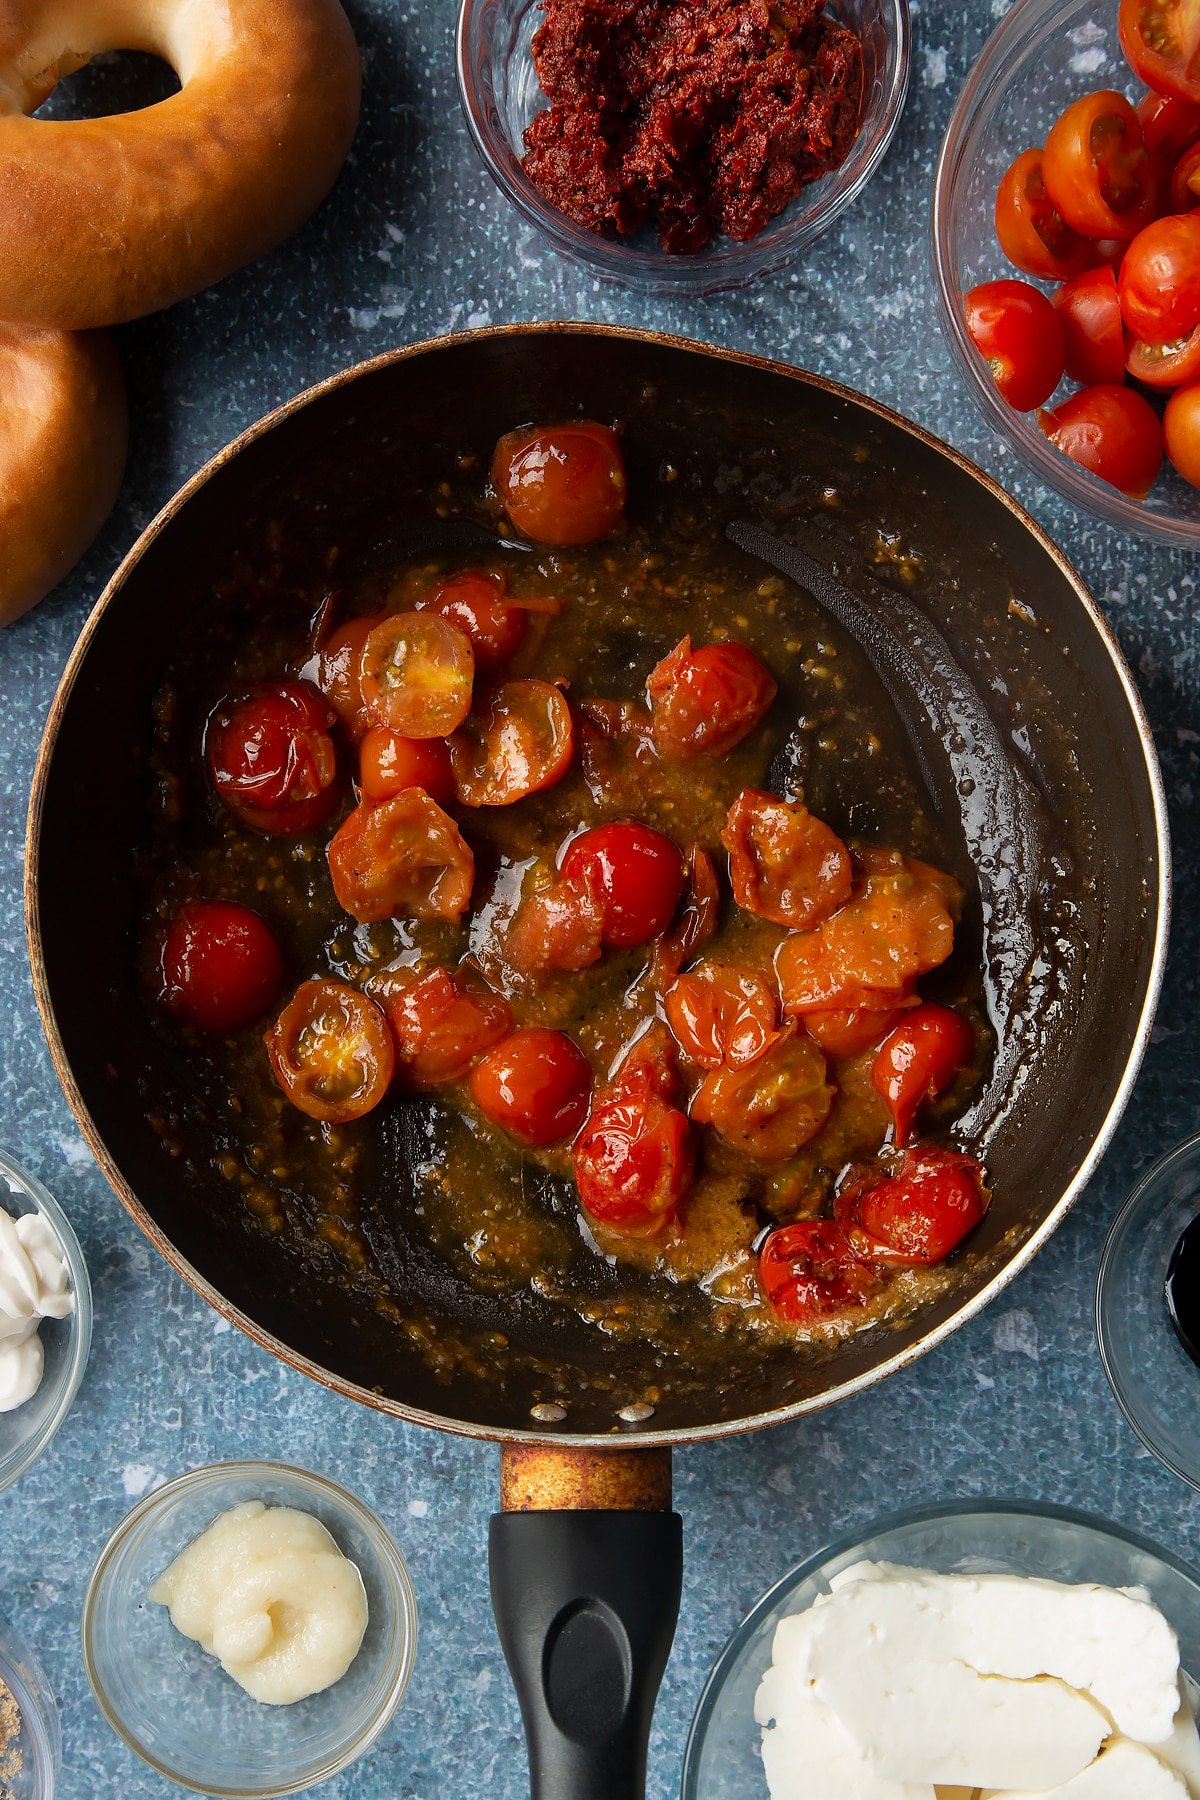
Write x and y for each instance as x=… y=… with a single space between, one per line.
x=586 y=1553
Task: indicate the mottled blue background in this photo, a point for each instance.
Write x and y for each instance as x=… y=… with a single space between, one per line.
x=415 y=241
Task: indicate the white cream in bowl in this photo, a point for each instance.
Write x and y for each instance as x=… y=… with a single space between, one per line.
x=34 y=1285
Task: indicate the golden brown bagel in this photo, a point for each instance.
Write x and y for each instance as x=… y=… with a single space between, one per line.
x=103 y=220
x=62 y=455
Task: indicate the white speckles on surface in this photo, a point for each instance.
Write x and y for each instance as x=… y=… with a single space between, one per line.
x=1089 y=62
x=138 y=1479
x=1015 y=1334
x=418 y=1509
x=934 y=75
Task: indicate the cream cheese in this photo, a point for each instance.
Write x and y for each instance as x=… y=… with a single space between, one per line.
x=34 y=1285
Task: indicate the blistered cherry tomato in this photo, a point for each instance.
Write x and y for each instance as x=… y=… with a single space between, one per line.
x=556 y=927
x=771 y=1108
x=331 y=1051
x=1169 y=125
x=810 y=1271
x=1185 y=181
x=1093 y=337
x=720 y=1012
x=535 y=1084
x=335 y=667
x=1161 y=41
x=1165 y=365
x=843 y=1032
x=474 y=601
x=633 y=1159
x=1032 y=233
x=920 y=1214
x=1096 y=169
x=417 y=674
x=271 y=757
x=389 y=763
x=1112 y=431
x=1017 y=332
x=696 y=921
x=561 y=484
x=442 y=1022
x=1181 y=431
x=519 y=740
x=220 y=965
x=404 y=858
x=704 y=701
x=784 y=864
x=1160 y=280
x=918 y=1059
x=637 y=874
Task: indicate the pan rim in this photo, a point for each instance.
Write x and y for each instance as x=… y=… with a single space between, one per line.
x=640 y=1437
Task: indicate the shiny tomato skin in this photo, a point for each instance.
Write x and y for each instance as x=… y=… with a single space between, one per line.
x=331 y=1051
x=417 y=674
x=1032 y=233
x=696 y=922
x=637 y=874
x=389 y=763
x=772 y=1107
x=1184 y=190
x=1112 y=431
x=720 y=1012
x=705 y=700
x=843 y=1032
x=918 y=1060
x=1164 y=365
x=919 y=1215
x=335 y=667
x=810 y=1271
x=403 y=858
x=633 y=1160
x=562 y=484
x=220 y=966
x=271 y=758
x=1159 y=284
x=555 y=928
x=519 y=740
x=1018 y=333
x=1089 y=311
x=442 y=1022
x=536 y=1085
x=1169 y=125
x=785 y=865
x=1161 y=41
x=1181 y=430
x=474 y=601
x=1096 y=169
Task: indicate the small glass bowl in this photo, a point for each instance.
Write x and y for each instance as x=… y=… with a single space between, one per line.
x=174 y=1704
x=723 y=1762
x=25 y=1432
x=1156 y=1383
x=38 y=1745
x=1043 y=55
x=500 y=94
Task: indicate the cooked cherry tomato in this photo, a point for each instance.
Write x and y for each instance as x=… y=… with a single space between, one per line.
x=918 y=1059
x=722 y=1013
x=331 y=1051
x=1181 y=430
x=474 y=601
x=696 y=921
x=336 y=668
x=1017 y=332
x=920 y=1214
x=401 y=859
x=1169 y=125
x=536 y=1084
x=633 y=1159
x=1112 y=431
x=1161 y=41
x=771 y=1108
x=784 y=864
x=1160 y=280
x=1165 y=365
x=417 y=673
x=1031 y=230
x=271 y=757
x=220 y=965
x=811 y=1271
x=637 y=874
x=389 y=763
x=1096 y=169
x=561 y=484
x=442 y=1022
x=1093 y=338
x=520 y=739
x=1184 y=189
x=843 y=1032
x=556 y=927
x=704 y=701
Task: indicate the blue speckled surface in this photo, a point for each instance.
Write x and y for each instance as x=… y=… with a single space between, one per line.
x=416 y=242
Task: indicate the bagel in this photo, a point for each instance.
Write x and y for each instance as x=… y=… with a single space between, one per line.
x=104 y=220
x=63 y=435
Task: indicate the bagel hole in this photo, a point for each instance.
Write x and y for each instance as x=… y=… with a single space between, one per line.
x=116 y=81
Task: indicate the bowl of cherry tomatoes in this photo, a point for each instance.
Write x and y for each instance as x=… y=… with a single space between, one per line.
x=1067 y=251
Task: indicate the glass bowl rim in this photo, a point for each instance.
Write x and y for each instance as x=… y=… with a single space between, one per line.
x=35 y=1702
x=211 y=1475
x=78 y=1321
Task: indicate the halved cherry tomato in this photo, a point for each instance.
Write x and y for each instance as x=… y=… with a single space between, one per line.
x=404 y=858
x=1165 y=365
x=1093 y=338
x=335 y=667
x=918 y=1059
x=696 y=920
x=1169 y=125
x=843 y=1032
x=784 y=864
x=1032 y=233
x=1159 y=284
x=1096 y=169
x=331 y=1051
x=561 y=484
x=722 y=1013
x=556 y=927
x=474 y=601
x=1112 y=431
x=771 y=1108
x=519 y=740
x=220 y=965
x=389 y=763
x=1017 y=332
x=633 y=1160
x=1181 y=430
x=535 y=1084
x=1161 y=41
x=442 y=1022
x=1185 y=181
x=417 y=673
x=811 y=1271
x=636 y=872
x=920 y=1214
x=271 y=757
x=704 y=701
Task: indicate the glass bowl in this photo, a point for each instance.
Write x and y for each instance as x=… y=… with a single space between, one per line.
x=500 y=94
x=174 y=1704
x=1156 y=1383
x=25 y=1432
x=722 y=1761
x=29 y=1765
x=1043 y=55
